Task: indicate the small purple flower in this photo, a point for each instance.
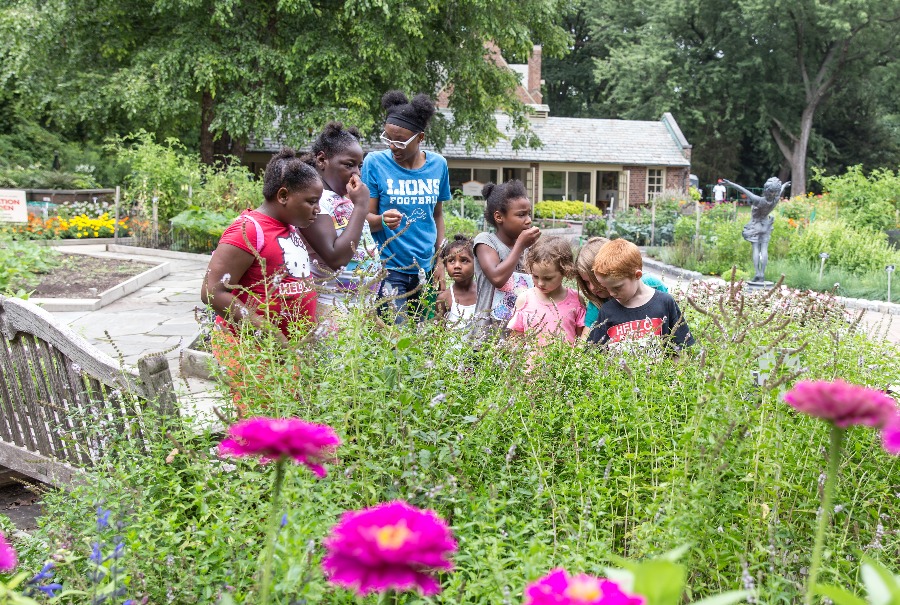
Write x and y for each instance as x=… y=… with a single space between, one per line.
x=96 y=553
x=49 y=589
x=117 y=552
x=45 y=574
x=102 y=518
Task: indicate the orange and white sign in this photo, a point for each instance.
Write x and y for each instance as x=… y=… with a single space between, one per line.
x=13 y=208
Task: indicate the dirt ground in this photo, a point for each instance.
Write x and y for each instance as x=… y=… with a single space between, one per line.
x=22 y=506
x=80 y=276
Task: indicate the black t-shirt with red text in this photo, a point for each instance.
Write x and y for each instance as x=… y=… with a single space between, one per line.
x=659 y=316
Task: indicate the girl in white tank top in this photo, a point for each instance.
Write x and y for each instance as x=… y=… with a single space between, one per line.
x=456 y=305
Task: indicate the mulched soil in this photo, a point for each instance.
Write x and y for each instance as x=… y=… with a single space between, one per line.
x=80 y=276
x=21 y=505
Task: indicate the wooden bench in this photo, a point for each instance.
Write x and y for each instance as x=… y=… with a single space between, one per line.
x=62 y=399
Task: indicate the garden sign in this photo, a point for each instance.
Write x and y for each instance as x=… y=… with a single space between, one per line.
x=13 y=208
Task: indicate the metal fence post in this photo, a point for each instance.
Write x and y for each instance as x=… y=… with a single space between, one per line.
x=155 y=222
x=116 y=224
x=653 y=221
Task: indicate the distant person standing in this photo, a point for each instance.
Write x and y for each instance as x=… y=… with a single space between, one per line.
x=719 y=192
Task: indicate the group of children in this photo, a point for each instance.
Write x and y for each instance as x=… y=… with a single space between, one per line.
x=514 y=279
x=335 y=222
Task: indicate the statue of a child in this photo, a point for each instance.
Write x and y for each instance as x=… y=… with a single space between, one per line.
x=759 y=230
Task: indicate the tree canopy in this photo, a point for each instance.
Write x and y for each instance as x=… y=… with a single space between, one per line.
x=748 y=80
x=227 y=70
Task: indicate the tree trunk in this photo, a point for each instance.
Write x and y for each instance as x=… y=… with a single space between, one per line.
x=206 y=137
x=801 y=146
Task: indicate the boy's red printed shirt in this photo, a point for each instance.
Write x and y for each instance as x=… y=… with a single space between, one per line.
x=279 y=280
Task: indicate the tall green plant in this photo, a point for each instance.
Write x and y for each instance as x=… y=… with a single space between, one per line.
x=866 y=202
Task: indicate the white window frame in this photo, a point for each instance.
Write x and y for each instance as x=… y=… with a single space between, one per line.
x=662 y=183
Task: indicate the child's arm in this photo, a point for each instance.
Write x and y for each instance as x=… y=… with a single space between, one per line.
x=337 y=250
x=227 y=266
x=498 y=272
x=442 y=305
x=516 y=323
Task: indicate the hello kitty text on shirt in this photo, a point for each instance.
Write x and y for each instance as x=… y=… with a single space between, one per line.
x=279 y=280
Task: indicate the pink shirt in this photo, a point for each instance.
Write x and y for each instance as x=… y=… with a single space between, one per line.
x=548 y=318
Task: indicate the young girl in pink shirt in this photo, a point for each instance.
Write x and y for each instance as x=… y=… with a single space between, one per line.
x=549 y=309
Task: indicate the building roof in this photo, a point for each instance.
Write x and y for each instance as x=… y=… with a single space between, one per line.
x=588 y=141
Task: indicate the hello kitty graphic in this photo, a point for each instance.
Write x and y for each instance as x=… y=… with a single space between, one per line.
x=296 y=257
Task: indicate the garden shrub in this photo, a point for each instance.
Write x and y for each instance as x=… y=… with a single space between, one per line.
x=856 y=249
x=563 y=463
x=594 y=227
x=635 y=223
x=226 y=187
x=471 y=208
x=866 y=202
x=454 y=224
x=567 y=210
x=21 y=262
x=164 y=171
x=198 y=229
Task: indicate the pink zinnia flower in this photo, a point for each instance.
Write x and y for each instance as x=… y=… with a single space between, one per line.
x=8 y=559
x=271 y=438
x=559 y=588
x=890 y=435
x=389 y=546
x=842 y=403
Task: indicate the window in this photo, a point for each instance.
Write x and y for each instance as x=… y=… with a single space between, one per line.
x=458 y=176
x=484 y=175
x=655 y=181
x=554 y=185
x=579 y=186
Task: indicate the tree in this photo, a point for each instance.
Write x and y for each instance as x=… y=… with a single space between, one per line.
x=820 y=44
x=229 y=70
x=732 y=67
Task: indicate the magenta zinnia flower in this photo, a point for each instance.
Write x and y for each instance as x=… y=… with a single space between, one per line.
x=890 y=435
x=842 y=403
x=389 y=546
x=272 y=438
x=8 y=559
x=559 y=588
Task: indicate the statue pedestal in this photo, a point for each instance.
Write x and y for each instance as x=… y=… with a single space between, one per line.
x=759 y=285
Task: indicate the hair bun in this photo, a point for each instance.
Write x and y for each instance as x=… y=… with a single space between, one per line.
x=460 y=237
x=486 y=190
x=392 y=98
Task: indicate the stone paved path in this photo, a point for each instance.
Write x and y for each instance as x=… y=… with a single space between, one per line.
x=158 y=317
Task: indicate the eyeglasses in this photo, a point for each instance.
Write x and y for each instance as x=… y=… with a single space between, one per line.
x=397 y=144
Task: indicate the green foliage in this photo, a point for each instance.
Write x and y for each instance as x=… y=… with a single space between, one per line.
x=594 y=227
x=453 y=224
x=882 y=586
x=866 y=202
x=636 y=222
x=198 y=229
x=470 y=207
x=21 y=262
x=227 y=187
x=237 y=69
x=855 y=249
x=571 y=210
x=569 y=462
x=161 y=171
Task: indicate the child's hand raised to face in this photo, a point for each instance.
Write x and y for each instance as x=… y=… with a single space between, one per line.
x=357 y=190
x=528 y=237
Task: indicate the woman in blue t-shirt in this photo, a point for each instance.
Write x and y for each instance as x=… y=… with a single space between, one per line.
x=408 y=188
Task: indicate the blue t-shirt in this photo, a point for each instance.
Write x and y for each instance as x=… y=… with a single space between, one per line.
x=593 y=312
x=415 y=193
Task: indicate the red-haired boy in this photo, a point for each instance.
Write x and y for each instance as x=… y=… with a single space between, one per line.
x=634 y=310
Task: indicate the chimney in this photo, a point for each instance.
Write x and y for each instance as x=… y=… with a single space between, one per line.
x=534 y=74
